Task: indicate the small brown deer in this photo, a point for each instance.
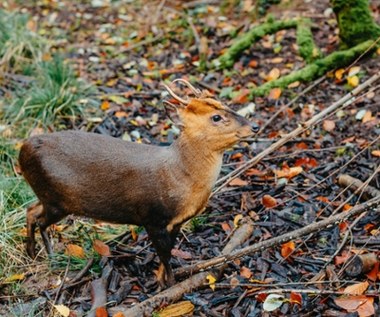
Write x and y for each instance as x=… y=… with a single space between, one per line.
x=158 y=187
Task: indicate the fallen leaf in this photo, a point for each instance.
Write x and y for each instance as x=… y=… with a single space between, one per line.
x=376 y=153
x=178 y=309
x=353 y=81
x=296 y=298
x=373 y=275
x=294 y=84
x=353 y=71
x=275 y=93
x=237 y=218
x=361 y=304
x=63 y=310
x=226 y=227
x=181 y=254
x=289 y=172
x=339 y=73
x=101 y=312
x=245 y=272
x=75 y=250
x=287 y=249
x=273 y=74
x=268 y=201
x=238 y=182
x=105 y=105
x=101 y=248
x=134 y=234
x=15 y=277
x=272 y=302
x=367 y=116
x=261 y=297
x=119 y=314
x=211 y=281
x=328 y=125
x=356 y=289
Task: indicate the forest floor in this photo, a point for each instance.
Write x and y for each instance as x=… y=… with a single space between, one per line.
x=125 y=50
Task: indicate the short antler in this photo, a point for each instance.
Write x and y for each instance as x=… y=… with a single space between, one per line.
x=196 y=91
x=176 y=97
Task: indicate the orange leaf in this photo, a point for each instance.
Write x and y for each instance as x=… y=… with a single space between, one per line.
x=101 y=248
x=105 y=105
x=302 y=146
x=268 y=201
x=367 y=116
x=356 y=289
x=101 y=312
x=226 y=227
x=361 y=304
x=374 y=273
x=75 y=250
x=261 y=297
x=339 y=73
x=238 y=182
x=343 y=226
x=287 y=249
x=245 y=272
x=328 y=125
x=253 y=63
x=119 y=314
x=323 y=199
x=376 y=153
x=275 y=93
x=289 y=172
x=296 y=298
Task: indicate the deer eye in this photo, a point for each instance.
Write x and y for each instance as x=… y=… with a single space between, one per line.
x=216 y=118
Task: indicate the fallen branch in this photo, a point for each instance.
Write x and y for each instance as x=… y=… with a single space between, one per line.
x=252 y=36
x=342 y=103
x=296 y=234
x=176 y=292
x=354 y=184
x=317 y=69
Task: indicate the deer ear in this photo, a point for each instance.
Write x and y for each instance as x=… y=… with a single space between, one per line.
x=174 y=113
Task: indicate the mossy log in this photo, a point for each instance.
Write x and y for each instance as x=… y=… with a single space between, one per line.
x=306 y=45
x=317 y=69
x=355 y=22
x=246 y=40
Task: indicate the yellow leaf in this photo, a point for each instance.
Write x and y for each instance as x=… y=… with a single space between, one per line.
x=63 y=310
x=378 y=51
x=367 y=116
x=339 y=73
x=237 y=219
x=15 y=277
x=353 y=81
x=289 y=172
x=177 y=310
x=294 y=84
x=211 y=281
x=353 y=71
x=75 y=250
x=356 y=289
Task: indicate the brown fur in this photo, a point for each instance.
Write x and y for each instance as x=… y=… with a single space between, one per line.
x=122 y=182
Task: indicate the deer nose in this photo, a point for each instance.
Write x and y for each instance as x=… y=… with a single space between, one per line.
x=255 y=127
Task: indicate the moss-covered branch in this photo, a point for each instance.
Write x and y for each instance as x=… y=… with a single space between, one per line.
x=306 y=45
x=355 y=22
x=317 y=69
x=246 y=40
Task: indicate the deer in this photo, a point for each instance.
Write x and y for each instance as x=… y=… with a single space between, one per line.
x=112 y=180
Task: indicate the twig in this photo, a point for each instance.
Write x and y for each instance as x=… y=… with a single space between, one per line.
x=342 y=103
x=312 y=228
x=357 y=186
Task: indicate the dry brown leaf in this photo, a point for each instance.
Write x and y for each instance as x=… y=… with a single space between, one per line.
x=376 y=153
x=119 y=314
x=361 y=304
x=245 y=272
x=328 y=125
x=75 y=250
x=226 y=227
x=268 y=201
x=353 y=71
x=356 y=289
x=287 y=249
x=178 y=309
x=63 y=310
x=367 y=116
x=294 y=84
x=238 y=182
x=181 y=254
x=101 y=248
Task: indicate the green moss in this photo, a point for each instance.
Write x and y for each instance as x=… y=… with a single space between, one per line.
x=355 y=22
x=306 y=45
x=317 y=69
x=246 y=40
